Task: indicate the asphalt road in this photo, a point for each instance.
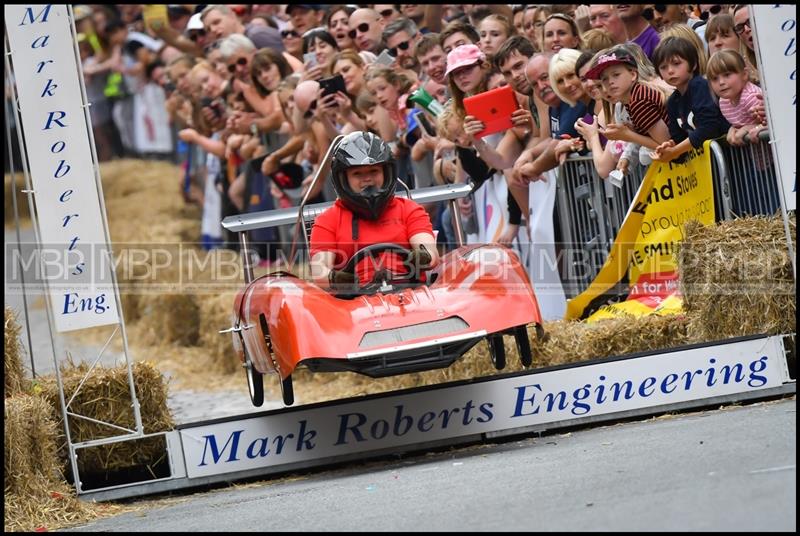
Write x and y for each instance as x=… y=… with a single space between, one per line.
x=732 y=469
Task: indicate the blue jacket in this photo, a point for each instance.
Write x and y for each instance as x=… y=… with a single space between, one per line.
x=695 y=114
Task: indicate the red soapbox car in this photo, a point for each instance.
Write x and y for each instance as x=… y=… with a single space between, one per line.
x=389 y=326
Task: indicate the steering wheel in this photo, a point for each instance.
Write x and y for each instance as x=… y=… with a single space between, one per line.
x=381 y=275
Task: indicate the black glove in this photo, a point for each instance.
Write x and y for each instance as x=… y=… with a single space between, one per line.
x=340 y=279
x=420 y=258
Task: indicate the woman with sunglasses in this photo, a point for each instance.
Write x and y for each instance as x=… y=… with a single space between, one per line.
x=292 y=41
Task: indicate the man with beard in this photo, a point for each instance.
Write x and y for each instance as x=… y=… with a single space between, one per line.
x=401 y=38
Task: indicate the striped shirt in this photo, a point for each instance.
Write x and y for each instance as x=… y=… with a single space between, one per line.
x=739 y=114
x=646 y=107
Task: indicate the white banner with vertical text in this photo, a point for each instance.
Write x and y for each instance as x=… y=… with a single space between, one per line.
x=775 y=28
x=73 y=250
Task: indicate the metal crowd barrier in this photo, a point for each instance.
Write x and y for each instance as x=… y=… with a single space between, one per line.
x=590 y=210
x=750 y=186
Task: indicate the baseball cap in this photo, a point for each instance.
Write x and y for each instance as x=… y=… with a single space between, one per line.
x=615 y=57
x=462 y=56
x=195 y=23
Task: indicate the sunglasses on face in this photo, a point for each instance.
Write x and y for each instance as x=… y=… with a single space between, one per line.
x=661 y=8
x=289 y=33
x=362 y=28
x=401 y=46
x=310 y=111
x=240 y=61
x=386 y=13
x=197 y=34
x=713 y=10
x=739 y=28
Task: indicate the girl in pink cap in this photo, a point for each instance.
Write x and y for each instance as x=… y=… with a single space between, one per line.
x=467 y=74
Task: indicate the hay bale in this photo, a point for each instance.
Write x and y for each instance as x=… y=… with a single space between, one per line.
x=105 y=396
x=216 y=313
x=30 y=444
x=568 y=341
x=170 y=319
x=177 y=293
x=35 y=495
x=15 y=381
x=736 y=278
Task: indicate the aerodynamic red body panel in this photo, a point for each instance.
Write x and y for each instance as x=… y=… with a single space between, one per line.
x=485 y=286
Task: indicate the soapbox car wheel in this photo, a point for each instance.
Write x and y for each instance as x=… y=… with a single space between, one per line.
x=255 y=381
x=287 y=390
x=497 y=351
x=381 y=276
x=523 y=346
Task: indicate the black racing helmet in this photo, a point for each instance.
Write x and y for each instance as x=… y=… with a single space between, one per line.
x=364 y=149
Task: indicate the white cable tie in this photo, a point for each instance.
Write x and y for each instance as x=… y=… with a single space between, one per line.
x=86 y=105
x=772 y=141
x=28 y=191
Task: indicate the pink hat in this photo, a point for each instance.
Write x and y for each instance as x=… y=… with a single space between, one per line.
x=463 y=56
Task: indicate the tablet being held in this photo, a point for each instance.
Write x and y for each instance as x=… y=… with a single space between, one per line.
x=493 y=108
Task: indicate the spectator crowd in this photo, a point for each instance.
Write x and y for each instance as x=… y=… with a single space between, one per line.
x=248 y=98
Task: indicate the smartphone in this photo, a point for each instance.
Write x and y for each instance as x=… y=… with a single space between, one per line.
x=310 y=59
x=384 y=58
x=155 y=16
x=426 y=125
x=333 y=84
x=211 y=103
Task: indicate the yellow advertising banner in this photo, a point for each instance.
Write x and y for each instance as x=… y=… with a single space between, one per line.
x=642 y=256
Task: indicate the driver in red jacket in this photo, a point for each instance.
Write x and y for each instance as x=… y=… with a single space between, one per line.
x=367 y=212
